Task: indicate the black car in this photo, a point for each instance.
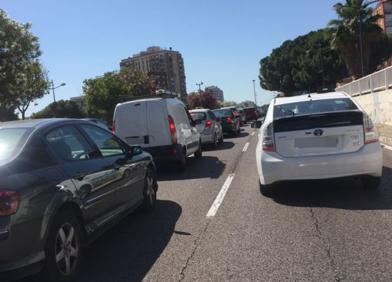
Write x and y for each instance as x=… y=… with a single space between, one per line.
x=63 y=182
x=230 y=122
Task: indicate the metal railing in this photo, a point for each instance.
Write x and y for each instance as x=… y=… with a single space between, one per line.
x=377 y=81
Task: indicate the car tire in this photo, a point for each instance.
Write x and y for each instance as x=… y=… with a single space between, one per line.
x=199 y=153
x=371 y=182
x=267 y=190
x=220 y=141
x=214 y=143
x=150 y=190
x=181 y=162
x=63 y=248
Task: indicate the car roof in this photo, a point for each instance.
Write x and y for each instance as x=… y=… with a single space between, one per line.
x=308 y=97
x=199 y=110
x=34 y=123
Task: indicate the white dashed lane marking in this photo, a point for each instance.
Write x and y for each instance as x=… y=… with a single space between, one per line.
x=222 y=193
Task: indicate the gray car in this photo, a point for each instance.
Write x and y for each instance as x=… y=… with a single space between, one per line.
x=208 y=125
x=63 y=182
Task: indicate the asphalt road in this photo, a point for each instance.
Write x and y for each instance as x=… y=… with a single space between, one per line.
x=314 y=231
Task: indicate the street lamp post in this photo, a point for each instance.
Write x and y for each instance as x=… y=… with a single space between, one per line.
x=200 y=98
x=254 y=92
x=52 y=87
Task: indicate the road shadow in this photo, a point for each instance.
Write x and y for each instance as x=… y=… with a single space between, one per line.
x=347 y=193
x=231 y=136
x=206 y=167
x=226 y=145
x=129 y=250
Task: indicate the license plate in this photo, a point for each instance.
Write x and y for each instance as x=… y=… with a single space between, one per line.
x=315 y=142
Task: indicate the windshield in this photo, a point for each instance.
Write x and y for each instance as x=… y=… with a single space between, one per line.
x=313 y=107
x=10 y=140
x=198 y=116
x=222 y=113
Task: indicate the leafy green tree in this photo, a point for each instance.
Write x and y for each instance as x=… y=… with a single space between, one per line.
x=203 y=99
x=33 y=85
x=18 y=48
x=354 y=16
x=60 y=109
x=305 y=64
x=105 y=92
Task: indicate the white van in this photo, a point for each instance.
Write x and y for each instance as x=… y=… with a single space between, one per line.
x=161 y=126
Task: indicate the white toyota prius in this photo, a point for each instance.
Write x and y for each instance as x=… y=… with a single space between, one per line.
x=317 y=136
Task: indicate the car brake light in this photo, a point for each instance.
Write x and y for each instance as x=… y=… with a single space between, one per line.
x=268 y=139
x=371 y=135
x=208 y=123
x=9 y=202
x=114 y=127
x=172 y=128
x=229 y=120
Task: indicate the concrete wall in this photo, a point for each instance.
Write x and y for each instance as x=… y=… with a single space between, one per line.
x=378 y=105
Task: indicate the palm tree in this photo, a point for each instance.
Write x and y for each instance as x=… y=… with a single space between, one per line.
x=354 y=32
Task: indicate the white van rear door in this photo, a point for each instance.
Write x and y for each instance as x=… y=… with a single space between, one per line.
x=158 y=124
x=132 y=123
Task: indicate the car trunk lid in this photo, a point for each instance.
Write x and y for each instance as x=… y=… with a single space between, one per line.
x=319 y=134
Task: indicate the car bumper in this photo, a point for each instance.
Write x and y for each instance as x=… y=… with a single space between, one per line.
x=273 y=168
x=21 y=253
x=228 y=128
x=165 y=153
x=207 y=138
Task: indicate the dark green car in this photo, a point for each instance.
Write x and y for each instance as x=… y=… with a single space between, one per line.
x=63 y=182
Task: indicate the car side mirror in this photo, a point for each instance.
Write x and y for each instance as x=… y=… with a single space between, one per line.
x=135 y=150
x=256 y=124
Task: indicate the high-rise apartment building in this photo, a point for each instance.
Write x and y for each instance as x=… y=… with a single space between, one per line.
x=165 y=67
x=384 y=8
x=216 y=91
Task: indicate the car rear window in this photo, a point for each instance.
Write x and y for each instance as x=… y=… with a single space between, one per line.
x=10 y=140
x=223 y=113
x=313 y=107
x=198 y=116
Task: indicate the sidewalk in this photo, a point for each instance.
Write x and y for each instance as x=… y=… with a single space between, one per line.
x=385 y=132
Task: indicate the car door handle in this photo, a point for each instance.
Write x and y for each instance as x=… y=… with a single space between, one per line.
x=79 y=176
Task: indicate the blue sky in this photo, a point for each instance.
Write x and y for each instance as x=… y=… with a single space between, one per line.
x=221 y=41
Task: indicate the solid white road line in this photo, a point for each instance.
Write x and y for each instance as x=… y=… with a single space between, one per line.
x=219 y=199
x=386 y=147
x=253 y=133
x=245 y=147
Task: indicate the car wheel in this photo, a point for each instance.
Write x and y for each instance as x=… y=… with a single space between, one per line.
x=371 y=182
x=63 y=248
x=221 y=139
x=214 y=143
x=150 y=190
x=199 y=152
x=181 y=163
x=266 y=190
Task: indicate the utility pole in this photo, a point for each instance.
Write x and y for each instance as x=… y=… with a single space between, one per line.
x=254 y=92
x=361 y=41
x=200 y=97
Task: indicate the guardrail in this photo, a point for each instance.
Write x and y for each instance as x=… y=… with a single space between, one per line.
x=377 y=81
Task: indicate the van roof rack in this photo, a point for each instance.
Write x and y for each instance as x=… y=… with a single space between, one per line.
x=158 y=94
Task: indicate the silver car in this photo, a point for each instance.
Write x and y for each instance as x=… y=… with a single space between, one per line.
x=208 y=125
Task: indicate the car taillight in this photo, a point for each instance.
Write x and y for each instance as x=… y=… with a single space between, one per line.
x=208 y=123
x=371 y=135
x=268 y=139
x=229 y=120
x=9 y=202
x=114 y=127
x=172 y=128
